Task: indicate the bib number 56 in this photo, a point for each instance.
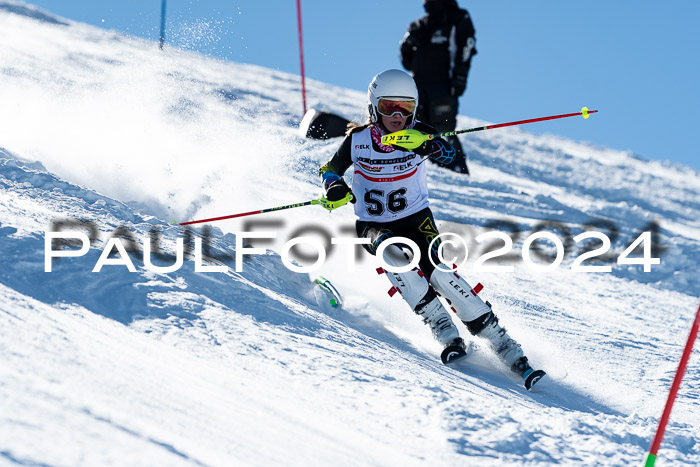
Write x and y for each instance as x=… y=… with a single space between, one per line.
x=376 y=203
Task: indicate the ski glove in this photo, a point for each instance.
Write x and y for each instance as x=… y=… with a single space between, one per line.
x=437 y=150
x=459 y=85
x=337 y=190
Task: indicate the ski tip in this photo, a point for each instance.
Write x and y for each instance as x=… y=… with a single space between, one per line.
x=533 y=378
x=326 y=294
x=455 y=352
x=451 y=355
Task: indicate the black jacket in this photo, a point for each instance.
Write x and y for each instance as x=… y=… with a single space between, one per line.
x=438 y=49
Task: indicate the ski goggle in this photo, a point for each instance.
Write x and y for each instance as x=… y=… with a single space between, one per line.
x=389 y=107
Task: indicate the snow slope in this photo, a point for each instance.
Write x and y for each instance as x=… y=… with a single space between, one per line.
x=192 y=368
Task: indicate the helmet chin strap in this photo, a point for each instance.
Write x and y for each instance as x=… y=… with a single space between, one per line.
x=373 y=114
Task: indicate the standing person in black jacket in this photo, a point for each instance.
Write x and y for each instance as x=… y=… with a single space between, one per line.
x=438 y=49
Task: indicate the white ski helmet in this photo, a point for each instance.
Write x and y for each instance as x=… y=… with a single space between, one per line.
x=392 y=85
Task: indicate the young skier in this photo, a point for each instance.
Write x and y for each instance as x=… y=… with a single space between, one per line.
x=390 y=193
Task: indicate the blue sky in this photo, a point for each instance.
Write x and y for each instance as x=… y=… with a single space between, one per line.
x=635 y=61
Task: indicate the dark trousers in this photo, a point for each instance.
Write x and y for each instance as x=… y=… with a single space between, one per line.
x=438 y=108
x=419 y=227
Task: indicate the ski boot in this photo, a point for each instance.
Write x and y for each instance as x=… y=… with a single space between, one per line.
x=507 y=349
x=442 y=327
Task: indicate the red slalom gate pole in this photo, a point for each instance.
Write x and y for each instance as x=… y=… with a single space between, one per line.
x=301 y=56
x=651 y=458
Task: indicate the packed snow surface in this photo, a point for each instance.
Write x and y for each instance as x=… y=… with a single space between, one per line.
x=105 y=135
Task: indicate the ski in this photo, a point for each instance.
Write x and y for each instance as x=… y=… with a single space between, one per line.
x=454 y=351
x=532 y=377
x=327 y=296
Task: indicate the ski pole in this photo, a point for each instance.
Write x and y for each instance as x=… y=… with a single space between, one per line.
x=411 y=139
x=330 y=205
x=654 y=448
